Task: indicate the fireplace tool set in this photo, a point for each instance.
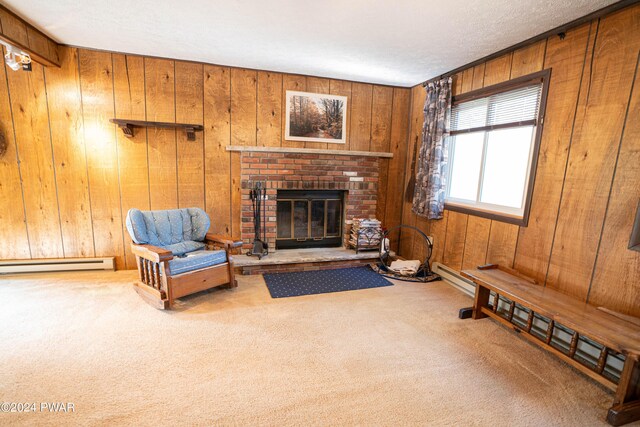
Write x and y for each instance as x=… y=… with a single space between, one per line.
x=258 y=195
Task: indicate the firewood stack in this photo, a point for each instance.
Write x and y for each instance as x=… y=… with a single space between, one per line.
x=370 y=236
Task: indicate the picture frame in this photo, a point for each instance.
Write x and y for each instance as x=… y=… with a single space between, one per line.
x=316 y=117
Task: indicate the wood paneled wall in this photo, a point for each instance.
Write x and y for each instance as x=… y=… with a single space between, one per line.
x=70 y=176
x=588 y=178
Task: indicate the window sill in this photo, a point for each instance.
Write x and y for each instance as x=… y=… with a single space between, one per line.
x=495 y=216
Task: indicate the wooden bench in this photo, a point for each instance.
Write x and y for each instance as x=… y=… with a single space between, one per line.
x=614 y=335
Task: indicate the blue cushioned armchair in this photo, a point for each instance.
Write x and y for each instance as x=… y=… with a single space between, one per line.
x=176 y=256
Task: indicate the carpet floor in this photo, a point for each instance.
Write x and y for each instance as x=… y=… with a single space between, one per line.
x=395 y=355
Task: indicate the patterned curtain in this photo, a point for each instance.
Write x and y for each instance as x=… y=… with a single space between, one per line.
x=431 y=170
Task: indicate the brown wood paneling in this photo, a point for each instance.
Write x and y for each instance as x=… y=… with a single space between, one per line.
x=12 y=215
x=438 y=232
x=217 y=135
x=566 y=58
x=399 y=137
x=269 y=109
x=418 y=96
x=38 y=42
x=243 y=132
x=600 y=118
x=528 y=59
x=496 y=71
x=476 y=242
x=617 y=272
x=317 y=85
x=295 y=83
x=236 y=196
x=161 y=107
x=20 y=34
x=70 y=162
x=243 y=106
x=128 y=86
x=361 y=97
x=189 y=109
x=13 y=28
x=33 y=142
x=454 y=244
x=96 y=77
x=343 y=88
x=381 y=122
x=478 y=78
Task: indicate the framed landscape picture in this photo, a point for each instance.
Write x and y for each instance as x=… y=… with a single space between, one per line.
x=316 y=117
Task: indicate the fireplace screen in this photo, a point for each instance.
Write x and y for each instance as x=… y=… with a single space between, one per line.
x=308 y=219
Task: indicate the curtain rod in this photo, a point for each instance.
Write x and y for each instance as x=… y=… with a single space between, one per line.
x=559 y=31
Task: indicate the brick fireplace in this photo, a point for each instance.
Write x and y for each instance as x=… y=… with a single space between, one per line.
x=356 y=175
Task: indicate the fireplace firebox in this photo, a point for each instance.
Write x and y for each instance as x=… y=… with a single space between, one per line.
x=309 y=218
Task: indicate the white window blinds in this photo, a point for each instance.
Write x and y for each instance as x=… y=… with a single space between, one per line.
x=516 y=107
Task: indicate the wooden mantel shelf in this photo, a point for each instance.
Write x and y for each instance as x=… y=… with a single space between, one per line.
x=248 y=148
x=128 y=125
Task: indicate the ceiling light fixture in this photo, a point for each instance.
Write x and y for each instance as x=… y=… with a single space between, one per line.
x=16 y=59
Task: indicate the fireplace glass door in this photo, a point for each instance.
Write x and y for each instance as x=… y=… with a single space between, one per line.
x=308 y=219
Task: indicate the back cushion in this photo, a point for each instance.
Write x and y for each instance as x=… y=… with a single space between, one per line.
x=167 y=227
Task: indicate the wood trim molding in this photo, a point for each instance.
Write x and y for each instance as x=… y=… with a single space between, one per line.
x=19 y=33
x=242 y=148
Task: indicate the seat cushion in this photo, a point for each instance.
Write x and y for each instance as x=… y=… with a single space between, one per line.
x=184 y=247
x=197 y=260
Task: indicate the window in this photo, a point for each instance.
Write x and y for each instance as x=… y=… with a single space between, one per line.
x=494 y=143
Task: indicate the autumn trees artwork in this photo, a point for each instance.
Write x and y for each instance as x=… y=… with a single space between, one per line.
x=316 y=117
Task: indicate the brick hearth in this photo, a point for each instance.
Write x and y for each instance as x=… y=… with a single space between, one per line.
x=358 y=176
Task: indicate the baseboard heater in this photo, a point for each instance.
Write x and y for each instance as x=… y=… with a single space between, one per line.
x=587 y=349
x=55 y=264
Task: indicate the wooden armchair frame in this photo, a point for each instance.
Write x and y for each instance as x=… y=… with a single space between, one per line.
x=158 y=287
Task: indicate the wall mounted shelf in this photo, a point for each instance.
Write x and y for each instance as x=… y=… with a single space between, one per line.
x=128 y=125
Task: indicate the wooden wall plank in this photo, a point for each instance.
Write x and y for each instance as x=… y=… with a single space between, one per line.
x=190 y=109
x=291 y=82
x=96 y=77
x=317 y=85
x=33 y=142
x=161 y=107
x=129 y=98
x=270 y=108
x=243 y=132
x=67 y=139
x=601 y=113
x=418 y=96
x=12 y=216
x=528 y=59
x=615 y=282
x=497 y=70
x=567 y=59
x=361 y=97
x=13 y=28
x=454 y=244
x=243 y=106
x=381 y=123
x=476 y=242
x=217 y=135
x=477 y=81
x=343 y=88
x=396 y=169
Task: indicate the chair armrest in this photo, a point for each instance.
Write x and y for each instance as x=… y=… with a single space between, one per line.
x=224 y=240
x=152 y=253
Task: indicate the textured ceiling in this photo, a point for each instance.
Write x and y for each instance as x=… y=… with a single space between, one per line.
x=401 y=42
